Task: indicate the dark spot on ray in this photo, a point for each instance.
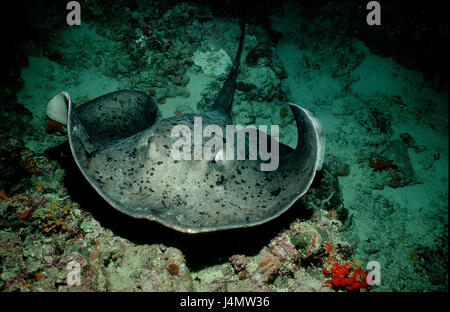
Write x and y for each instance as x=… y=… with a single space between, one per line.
x=220 y=181
x=276 y=192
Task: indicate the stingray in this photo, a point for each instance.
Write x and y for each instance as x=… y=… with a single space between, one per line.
x=126 y=157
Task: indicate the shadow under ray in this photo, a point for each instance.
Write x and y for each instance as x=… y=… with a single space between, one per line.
x=200 y=250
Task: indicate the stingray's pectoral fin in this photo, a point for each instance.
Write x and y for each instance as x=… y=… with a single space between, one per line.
x=298 y=168
x=311 y=136
x=112 y=117
x=57 y=111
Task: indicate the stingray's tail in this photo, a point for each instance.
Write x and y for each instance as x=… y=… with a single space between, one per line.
x=224 y=99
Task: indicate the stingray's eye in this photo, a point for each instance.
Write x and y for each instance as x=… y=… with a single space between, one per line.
x=149 y=141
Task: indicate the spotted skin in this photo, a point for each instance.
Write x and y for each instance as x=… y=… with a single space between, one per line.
x=127 y=158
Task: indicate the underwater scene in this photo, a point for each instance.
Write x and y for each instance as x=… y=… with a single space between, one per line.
x=224 y=146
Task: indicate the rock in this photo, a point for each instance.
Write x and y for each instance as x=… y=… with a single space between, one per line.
x=239 y=262
x=213 y=63
x=337 y=166
x=11 y=165
x=369 y=247
x=301 y=240
x=397 y=152
x=259 y=56
x=267 y=84
x=325 y=193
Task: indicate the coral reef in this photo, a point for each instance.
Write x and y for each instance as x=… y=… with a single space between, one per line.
x=44 y=232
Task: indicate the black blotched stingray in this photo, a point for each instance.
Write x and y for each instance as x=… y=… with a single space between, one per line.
x=126 y=157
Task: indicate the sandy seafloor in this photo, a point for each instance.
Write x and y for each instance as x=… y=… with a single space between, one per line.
x=337 y=78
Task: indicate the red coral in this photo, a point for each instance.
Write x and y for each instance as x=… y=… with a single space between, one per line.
x=329 y=247
x=382 y=164
x=341 y=278
x=146 y=31
x=310 y=245
x=25 y=214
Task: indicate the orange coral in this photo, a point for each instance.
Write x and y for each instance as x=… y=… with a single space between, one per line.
x=333 y=213
x=268 y=265
x=39 y=187
x=173 y=269
x=329 y=248
x=3 y=195
x=38 y=276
